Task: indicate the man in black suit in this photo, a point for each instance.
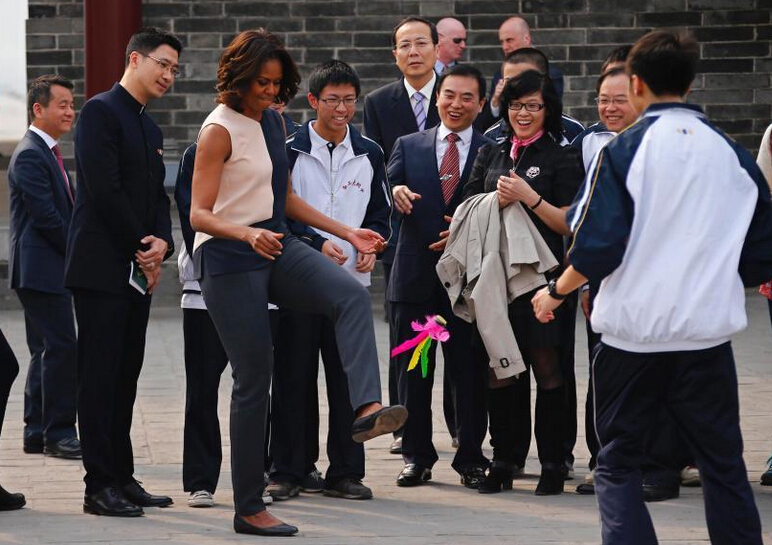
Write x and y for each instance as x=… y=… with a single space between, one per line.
x=397 y=109
x=41 y=199
x=427 y=171
x=121 y=223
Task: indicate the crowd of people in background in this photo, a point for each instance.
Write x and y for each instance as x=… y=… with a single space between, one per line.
x=474 y=197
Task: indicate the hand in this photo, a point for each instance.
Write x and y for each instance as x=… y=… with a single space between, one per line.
x=331 y=250
x=266 y=243
x=497 y=93
x=365 y=263
x=584 y=298
x=439 y=246
x=403 y=198
x=514 y=188
x=544 y=305
x=153 y=276
x=366 y=241
x=154 y=256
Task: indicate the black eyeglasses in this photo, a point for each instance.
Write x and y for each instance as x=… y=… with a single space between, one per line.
x=459 y=40
x=335 y=102
x=529 y=106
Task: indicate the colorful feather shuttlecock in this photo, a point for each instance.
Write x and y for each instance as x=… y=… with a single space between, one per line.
x=433 y=329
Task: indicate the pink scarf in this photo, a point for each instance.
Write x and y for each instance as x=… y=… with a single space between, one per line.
x=518 y=144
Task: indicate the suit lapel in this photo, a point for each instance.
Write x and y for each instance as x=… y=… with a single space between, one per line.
x=58 y=181
x=427 y=151
x=402 y=109
x=433 y=116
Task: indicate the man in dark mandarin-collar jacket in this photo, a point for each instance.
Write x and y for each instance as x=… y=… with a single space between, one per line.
x=121 y=222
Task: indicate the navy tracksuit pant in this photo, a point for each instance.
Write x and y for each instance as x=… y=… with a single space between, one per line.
x=699 y=389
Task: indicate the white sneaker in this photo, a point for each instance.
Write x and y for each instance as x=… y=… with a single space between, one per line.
x=690 y=476
x=267 y=498
x=200 y=498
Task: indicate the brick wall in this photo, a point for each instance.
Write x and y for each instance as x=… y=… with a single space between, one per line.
x=733 y=84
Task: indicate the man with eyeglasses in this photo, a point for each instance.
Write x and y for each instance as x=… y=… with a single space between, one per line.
x=120 y=233
x=342 y=174
x=451 y=45
x=403 y=107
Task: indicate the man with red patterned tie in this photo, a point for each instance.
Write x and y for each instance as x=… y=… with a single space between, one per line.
x=427 y=171
x=41 y=200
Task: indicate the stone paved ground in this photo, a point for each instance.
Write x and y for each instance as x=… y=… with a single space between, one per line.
x=440 y=513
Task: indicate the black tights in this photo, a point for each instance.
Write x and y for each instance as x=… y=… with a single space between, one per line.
x=550 y=407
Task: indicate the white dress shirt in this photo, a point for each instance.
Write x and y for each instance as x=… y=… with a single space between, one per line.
x=463 y=145
x=47 y=138
x=426 y=91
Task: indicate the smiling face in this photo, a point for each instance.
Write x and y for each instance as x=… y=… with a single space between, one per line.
x=415 y=53
x=264 y=89
x=525 y=123
x=154 y=70
x=614 y=107
x=55 y=119
x=459 y=102
x=332 y=112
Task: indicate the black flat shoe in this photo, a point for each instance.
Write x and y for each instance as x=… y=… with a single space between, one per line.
x=659 y=493
x=139 y=496
x=68 y=449
x=382 y=421
x=108 y=502
x=499 y=478
x=10 y=501
x=473 y=477
x=551 y=482
x=414 y=475
x=585 y=489
x=241 y=526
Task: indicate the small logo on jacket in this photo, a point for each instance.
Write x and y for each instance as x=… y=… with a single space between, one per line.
x=532 y=172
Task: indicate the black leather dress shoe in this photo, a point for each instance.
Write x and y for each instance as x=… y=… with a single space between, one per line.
x=414 y=475
x=396 y=448
x=382 y=421
x=139 y=496
x=109 y=502
x=68 y=448
x=659 y=493
x=473 y=477
x=241 y=526
x=10 y=501
x=32 y=446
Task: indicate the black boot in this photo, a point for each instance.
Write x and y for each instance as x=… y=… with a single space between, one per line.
x=550 y=408
x=499 y=478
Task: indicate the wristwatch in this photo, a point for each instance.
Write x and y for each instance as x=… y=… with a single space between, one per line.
x=552 y=289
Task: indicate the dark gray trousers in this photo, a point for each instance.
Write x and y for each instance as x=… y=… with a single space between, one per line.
x=300 y=279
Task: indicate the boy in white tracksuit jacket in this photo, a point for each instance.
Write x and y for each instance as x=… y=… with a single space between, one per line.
x=674 y=219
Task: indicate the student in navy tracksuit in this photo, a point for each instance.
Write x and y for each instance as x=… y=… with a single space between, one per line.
x=673 y=249
x=342 y=174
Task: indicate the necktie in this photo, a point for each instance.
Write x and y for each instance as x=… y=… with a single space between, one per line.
x=449 y=169
x=418 y=110
x=58 y=155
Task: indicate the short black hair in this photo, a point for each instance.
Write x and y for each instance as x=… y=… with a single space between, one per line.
x=332 y=72
x=240 y=64
x=40 y=91
x=618 y=54
x=412 y=19
x=148 y=39
x=464 y=70
x=527 y=83
x=529 y=55
x=666 y=61
x=616 y=71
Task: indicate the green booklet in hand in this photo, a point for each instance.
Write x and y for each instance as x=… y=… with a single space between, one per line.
x=137 y=278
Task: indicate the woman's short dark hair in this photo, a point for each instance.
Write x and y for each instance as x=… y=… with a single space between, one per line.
x=332 y=72
x=528 y=83
x=666 y=61
x=241 y=62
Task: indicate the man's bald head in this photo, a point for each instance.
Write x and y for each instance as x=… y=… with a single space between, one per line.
x=514 y=34
x=452 y=40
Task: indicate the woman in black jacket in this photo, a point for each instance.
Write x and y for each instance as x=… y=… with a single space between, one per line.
x=531 y=168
